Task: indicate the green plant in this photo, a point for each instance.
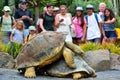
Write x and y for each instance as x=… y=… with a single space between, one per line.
x=11 y=48
x=14 y=48
x=96 y=46
x=90 y=46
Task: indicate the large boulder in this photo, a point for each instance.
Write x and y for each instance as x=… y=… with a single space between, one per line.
x=115 y=61
x=98 y=60
x=6 y=60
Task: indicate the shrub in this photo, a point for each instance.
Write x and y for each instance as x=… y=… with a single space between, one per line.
x=96 y=46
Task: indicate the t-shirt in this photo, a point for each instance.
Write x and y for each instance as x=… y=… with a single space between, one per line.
x=6 y=24
x=93 y=30
x=29 y=37
x=19 y=13
x=48 y=21
x=78 y=27
x=18 y=36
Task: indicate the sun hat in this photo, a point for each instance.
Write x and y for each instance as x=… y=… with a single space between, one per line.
x=6 y=8
x=32 y=28
x=89 y=6
x=79 y=8
x=22 y=1
x=56 y=9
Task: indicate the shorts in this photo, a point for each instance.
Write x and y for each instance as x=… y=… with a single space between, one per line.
x=95 y=40
x=79 y=38
x=110 y=34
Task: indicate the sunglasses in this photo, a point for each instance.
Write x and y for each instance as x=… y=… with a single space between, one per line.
x=7 y=11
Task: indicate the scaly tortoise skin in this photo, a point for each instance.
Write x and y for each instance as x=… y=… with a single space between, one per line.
x=43 y=49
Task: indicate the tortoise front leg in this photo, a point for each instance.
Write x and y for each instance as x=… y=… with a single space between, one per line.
x=68 y=56
x=78 y=75
x=75 y=48
x=30 y=72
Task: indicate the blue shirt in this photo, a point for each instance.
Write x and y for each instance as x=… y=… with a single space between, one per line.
x=18 y=36
x=19 y=13
x=109 y=27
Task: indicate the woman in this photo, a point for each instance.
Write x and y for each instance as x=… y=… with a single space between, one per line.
x=62 y=22
x=6 y=20
x=80 y=26
x=108 y=27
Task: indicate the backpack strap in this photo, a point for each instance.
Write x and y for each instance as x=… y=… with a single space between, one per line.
x=1 y=20
x=11 y=20
x=96 y=17
x=28 y=37
x=86 y=17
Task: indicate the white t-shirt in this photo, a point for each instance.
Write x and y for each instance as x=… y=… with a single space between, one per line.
x=93 y=30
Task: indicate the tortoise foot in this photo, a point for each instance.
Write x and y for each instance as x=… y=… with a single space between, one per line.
x=76 y=76
x=30 y=72
x=94 y=75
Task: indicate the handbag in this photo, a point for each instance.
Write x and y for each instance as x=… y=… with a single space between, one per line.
x=72 y=30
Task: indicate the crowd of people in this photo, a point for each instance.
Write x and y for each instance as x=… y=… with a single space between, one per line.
x=94 y=27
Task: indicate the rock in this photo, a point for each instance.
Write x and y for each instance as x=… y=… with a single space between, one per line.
x=115 y=61
x=10 y=74
x=98 y=60
x=6 y=60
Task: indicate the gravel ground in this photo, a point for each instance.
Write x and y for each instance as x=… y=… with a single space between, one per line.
x=9 y=74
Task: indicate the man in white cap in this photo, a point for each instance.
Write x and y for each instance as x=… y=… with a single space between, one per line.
x=94 y=29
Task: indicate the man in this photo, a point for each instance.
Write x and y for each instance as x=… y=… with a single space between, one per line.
x=102 y=7
x=24 y=14
x=93 y=25
x=47 y=19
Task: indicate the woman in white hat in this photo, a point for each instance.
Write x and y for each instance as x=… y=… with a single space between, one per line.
x=80 y=26
x=6 y=20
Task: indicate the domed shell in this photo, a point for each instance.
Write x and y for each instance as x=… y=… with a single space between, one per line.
x=43 y=49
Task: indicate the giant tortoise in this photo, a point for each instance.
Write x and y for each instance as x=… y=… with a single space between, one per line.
x=43 y=49
x=60 y=69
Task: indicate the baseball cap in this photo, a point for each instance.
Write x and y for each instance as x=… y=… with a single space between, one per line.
x=89 y=6
x=79 y=8
x=6 y=8
x=22 y=1
x=32 y=28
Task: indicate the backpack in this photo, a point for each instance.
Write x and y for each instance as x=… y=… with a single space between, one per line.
x=96 y=17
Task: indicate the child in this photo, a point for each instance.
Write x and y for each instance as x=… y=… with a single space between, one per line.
x=32 y=33
x=17 y=32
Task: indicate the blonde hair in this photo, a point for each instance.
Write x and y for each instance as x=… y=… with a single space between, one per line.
x=63 y=6
x=102 y=3
x=19 y=22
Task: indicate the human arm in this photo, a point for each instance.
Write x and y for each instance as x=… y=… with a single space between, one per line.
x=57 y=22
x=11 y=37
x=41 y=24
x=84 y=32
x=110 y=21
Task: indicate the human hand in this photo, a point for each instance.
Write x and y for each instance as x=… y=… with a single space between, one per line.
x=61 y=20
x=25 y=17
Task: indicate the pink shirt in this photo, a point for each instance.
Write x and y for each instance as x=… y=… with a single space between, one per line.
x=78 y=28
